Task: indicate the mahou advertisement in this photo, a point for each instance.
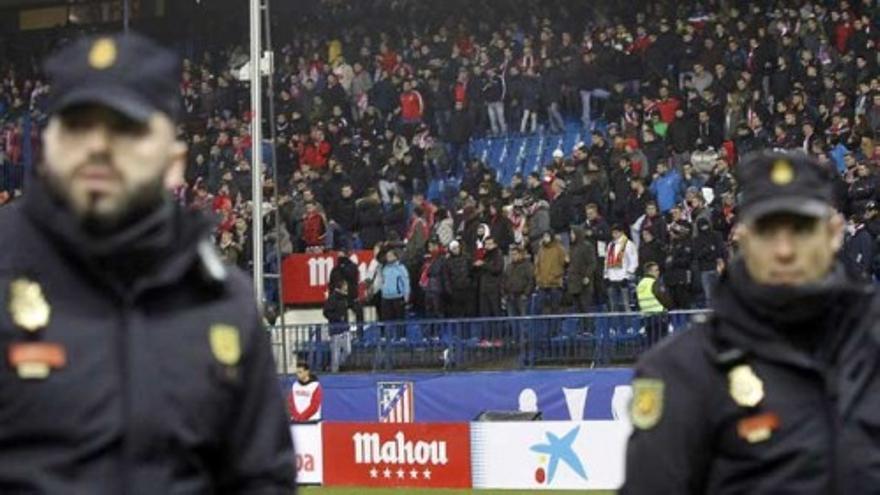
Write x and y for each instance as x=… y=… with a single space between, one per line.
x=413 y=455
x=306 y=276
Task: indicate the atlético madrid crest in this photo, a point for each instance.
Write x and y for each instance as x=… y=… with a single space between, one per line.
x=396 y=402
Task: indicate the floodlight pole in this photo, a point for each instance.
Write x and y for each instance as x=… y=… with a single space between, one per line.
x=256 y=148
x=126 y=15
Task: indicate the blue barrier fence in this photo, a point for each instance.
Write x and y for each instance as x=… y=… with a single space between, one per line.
x=560 y=394
x=480 y=343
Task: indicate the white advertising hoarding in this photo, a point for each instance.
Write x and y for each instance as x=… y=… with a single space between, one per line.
x=560 y=455
x=309 y=453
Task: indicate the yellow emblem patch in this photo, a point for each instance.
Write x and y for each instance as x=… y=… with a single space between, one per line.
x=102 y=54
x=646 y=408
x=746 y=388
x=225 y=344
x=782 y=173
x=28 y=306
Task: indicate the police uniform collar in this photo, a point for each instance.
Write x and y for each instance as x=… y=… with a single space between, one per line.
x=160 y=238
x=773 y=322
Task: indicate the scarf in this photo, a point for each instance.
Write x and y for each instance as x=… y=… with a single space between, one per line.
x=614 y=259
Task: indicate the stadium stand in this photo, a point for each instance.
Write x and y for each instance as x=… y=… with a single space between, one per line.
x=407 y=125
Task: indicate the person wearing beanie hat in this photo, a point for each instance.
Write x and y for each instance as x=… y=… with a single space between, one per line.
x=778 y=390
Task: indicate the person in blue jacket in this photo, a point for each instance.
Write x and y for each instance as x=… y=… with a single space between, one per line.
x=666 y=187
x=395 y=288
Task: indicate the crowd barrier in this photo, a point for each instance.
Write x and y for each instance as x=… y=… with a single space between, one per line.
x=560 y=395
x=595 y=339
x=552 y=455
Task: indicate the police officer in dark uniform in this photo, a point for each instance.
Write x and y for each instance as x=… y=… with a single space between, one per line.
x=778 y=391
x=134 y=361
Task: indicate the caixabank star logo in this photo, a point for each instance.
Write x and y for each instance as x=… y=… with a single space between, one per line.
x=555 y=451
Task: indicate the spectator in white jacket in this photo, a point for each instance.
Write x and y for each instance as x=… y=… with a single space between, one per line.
x=373 y=279
x=621 y=262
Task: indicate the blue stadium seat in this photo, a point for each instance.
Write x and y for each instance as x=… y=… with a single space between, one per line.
x=526 y=154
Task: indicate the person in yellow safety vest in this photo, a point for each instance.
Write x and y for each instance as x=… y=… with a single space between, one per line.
x=653 y=301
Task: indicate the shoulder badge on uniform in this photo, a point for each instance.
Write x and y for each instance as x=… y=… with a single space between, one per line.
x=225 y=344
x=647 y=403
x=746 y=388
x=27 y=305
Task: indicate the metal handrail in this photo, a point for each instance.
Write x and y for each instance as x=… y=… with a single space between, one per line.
x=454 y=343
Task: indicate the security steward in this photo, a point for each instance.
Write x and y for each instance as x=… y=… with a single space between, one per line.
x=778 y=391
x=653 y=302
x=133 y=360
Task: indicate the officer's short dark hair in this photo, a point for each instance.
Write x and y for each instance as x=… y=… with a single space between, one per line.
x=303 y=365
x=650 y=266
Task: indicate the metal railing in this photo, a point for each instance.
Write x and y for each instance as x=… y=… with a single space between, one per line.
x=598 y=339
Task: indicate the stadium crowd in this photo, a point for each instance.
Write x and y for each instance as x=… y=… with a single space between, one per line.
x=376 y=100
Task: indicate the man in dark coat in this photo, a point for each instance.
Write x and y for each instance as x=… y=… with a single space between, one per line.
x=462 y=292
x=435 y=281
x=135 y=361
x=347 y=270
x=488 y=273
x=343 y=216
x=551 y=95
x=369 y=224
x=583 y=263
x=561 y=210
x=461 y=127
x=860 y=248
x=336 y=308
x=710 y=255
x=500 y=227
x=679 y=276
x=519 y=282
x=863 y=189
x=651 y=250
x=777 y=391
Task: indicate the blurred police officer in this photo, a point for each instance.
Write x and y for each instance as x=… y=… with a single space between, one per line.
x=134 y=361
x=778 y=391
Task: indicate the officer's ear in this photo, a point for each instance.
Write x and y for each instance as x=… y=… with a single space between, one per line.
x=836 y=228
x=739 y=231
x=174 y=176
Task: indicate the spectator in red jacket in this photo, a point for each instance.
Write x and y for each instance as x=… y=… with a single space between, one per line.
x=317 y=152
x=667 y=105
x=412 y=106
x=314 y=227
x=222 y=201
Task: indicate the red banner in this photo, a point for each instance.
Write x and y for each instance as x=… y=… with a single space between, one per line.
x=306 y=276
x=417 y=455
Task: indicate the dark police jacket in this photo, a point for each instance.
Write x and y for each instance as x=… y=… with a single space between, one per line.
x=814 y=430
x=166 y=385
